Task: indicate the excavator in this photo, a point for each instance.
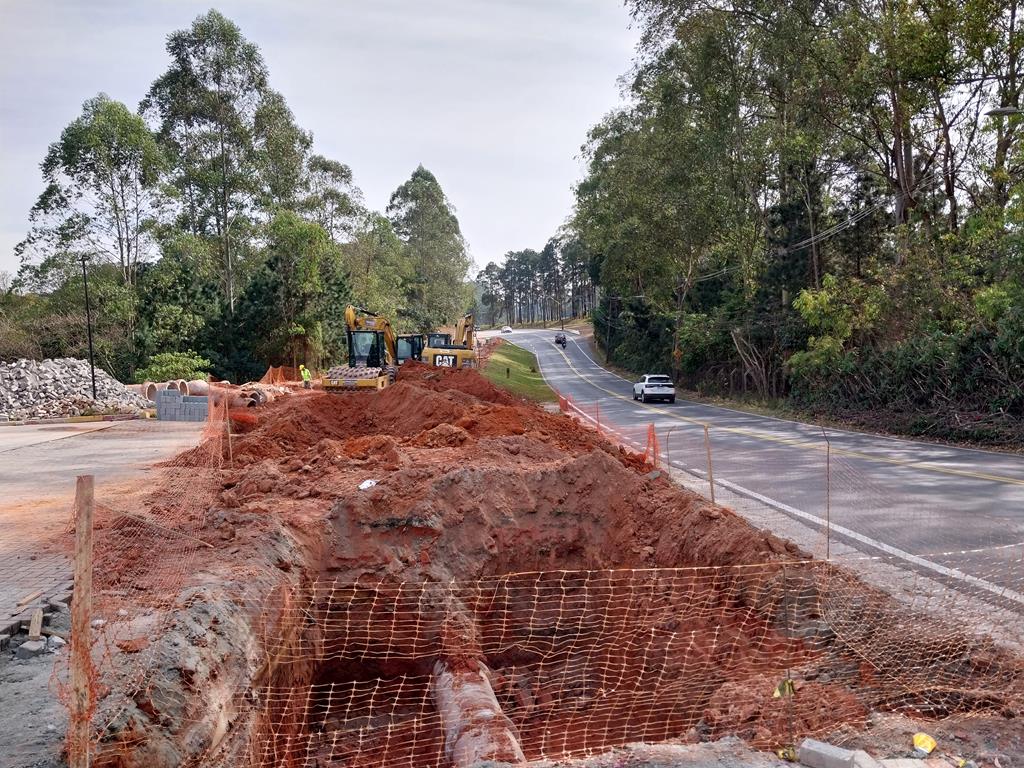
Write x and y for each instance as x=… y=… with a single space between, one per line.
x=452 y=351
x=409 y=346
x=372 y=353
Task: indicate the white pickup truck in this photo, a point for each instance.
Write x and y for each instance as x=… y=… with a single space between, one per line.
x=654 y=387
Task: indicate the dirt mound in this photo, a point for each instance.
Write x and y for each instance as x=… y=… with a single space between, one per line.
x=448 y=379
x=750 y=710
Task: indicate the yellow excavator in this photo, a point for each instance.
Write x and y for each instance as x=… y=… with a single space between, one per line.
x=372 y=353
x=456 y=350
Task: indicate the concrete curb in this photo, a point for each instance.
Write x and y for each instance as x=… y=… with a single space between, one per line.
x=76 y=419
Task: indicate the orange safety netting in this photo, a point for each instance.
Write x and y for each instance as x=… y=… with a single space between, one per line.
x=321 y=579
x=280 y=374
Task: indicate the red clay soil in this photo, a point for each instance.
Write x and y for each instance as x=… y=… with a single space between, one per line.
x=483 y=507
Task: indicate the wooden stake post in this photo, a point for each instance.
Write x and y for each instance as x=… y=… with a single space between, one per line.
x=711 y=474
x=81 y=643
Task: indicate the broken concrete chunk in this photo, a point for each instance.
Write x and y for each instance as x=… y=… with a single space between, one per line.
x=819 y=754
x=30 y=648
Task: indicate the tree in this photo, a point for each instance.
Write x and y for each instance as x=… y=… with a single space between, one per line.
x=378 y=268
x=492 y=296
x=228 y=135
x=425 y=222
x=282 y=148
x=331 y=200
x=101 y=198
x=300 y=290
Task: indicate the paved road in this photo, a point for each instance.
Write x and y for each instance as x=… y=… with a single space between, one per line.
x=953 y=513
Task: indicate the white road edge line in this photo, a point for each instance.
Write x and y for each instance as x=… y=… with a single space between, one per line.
x=836 y=430
x=921 y=562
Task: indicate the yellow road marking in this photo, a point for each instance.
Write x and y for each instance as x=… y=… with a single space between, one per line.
x=800 y=443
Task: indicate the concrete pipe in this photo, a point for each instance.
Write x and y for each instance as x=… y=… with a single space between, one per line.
x=181 y=385
x=150 y=388
x=197 y=387
x=475 y=729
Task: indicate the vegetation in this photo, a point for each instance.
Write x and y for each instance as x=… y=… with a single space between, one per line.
x=166 y=366
x=535 y=287
x=211 y=230
x=807 y=200
x=515 y=369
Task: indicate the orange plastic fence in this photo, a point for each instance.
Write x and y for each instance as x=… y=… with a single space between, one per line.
x=280 y=374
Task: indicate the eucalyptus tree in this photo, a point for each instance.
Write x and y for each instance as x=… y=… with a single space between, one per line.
x=102 y=194
x=425 y=222
x=236 y=152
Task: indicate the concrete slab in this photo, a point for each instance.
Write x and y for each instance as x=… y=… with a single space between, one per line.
x=819 y=754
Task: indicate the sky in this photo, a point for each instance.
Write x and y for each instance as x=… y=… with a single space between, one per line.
x=494 y=96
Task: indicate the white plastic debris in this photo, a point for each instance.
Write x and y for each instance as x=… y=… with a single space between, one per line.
x=366 y=484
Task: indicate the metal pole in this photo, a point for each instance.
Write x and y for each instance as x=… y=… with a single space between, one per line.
x=668 y=445
x=711 y=474
x=88 y=326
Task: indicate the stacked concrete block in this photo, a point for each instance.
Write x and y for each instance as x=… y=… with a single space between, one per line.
x=171 y=405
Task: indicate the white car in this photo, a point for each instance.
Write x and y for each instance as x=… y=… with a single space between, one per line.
x=506 y=329
x=654 y=386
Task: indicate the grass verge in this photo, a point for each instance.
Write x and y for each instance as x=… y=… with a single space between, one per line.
x=513 y=368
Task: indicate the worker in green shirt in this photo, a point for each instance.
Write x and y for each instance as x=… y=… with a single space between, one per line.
x=307 y=377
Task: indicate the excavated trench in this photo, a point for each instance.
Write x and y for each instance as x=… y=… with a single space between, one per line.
x=513 y=588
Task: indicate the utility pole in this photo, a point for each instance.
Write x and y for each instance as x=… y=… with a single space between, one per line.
x=88 y=324
x=608 y=331
x=561 y=304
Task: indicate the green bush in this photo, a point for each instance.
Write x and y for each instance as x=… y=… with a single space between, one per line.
x=174 y=365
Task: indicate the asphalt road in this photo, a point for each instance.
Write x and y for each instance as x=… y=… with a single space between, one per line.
x=955 y=514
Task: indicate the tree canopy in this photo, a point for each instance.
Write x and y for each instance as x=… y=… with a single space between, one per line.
x=212 y=231
x=807 y=200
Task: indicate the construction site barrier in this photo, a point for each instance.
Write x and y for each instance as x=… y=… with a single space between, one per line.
x=844 y=620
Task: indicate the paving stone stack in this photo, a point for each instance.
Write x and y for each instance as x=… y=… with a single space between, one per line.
x=30 y=389
x=171 y=405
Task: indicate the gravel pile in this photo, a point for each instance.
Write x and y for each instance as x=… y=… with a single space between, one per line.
x=30 y=389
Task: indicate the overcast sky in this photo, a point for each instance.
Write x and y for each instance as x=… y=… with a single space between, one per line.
x=493 y=96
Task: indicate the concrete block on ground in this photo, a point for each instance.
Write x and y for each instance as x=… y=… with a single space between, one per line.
x=30 y=648
x=862 y=759
x=819 y=754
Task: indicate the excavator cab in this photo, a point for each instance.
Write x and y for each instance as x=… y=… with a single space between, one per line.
x=409 y=346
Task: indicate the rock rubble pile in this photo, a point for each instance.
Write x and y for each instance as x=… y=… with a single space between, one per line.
x=30 y=389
